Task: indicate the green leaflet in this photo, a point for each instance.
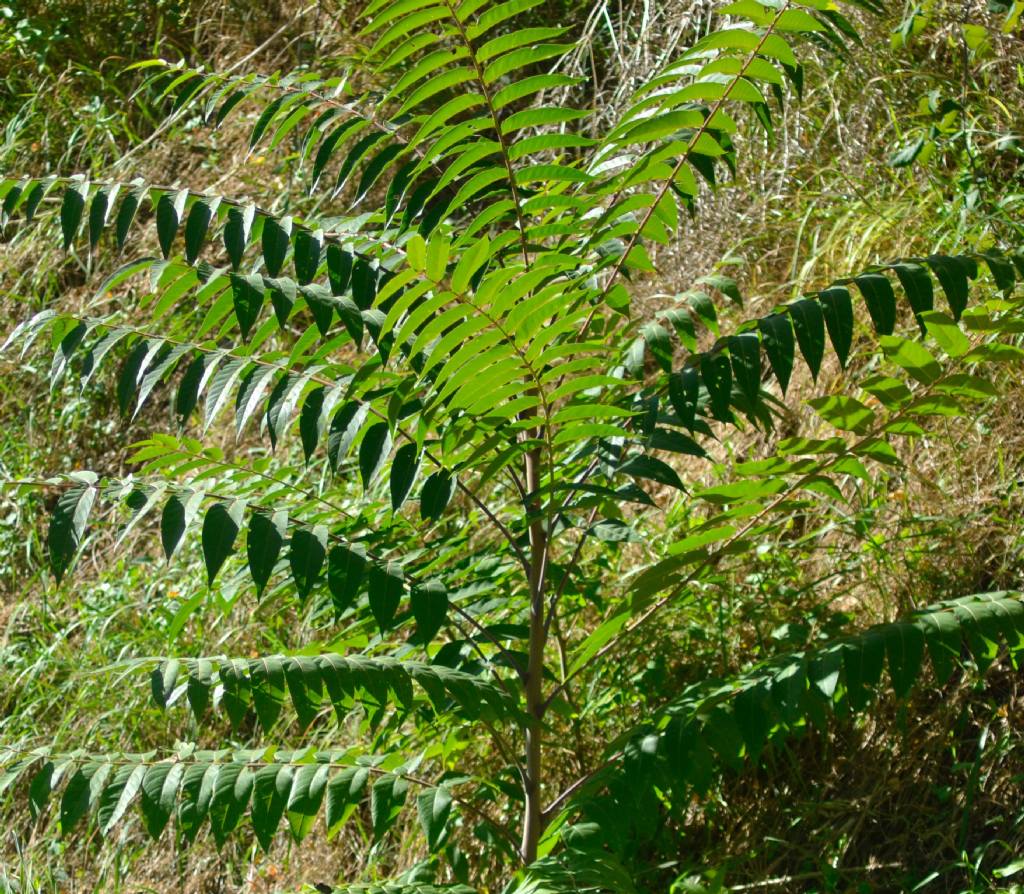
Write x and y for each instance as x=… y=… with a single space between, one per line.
x=68 y=522
x=71 y=210
x=880 y=299
x=178 y=513
x=236 y=232
x=220 y=528
x=169 y=209
x=387 y=797
x=271 y=787
x=837 y=308
x=276 y=241
x=345 y=567
x=745 y=355
x=373 y=451
x=263 y=543
x=404 y=469
x=344 y=791
x=385 y=587
x=716 y=372
x=429 y=604
x=248 y=295
x=436 y=494
x=308 y=246
x=777 y=337
x=809 y=324
x=683 y=390
x=306 y=556
x=434 y=806
x=200 y=216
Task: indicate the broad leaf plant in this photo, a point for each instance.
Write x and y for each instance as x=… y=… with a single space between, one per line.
x=471 y=420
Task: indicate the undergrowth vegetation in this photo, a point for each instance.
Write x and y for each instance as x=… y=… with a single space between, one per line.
x=522 y=446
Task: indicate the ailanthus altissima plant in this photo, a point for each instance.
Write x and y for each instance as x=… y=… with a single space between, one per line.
x=478 y=410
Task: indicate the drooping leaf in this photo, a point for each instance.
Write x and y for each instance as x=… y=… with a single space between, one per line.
x=169 y=208
x=683 y=392
x=429 y=603
x=837 y=308
x=809 y=323
x=436 y=494
x=345 y=567
x=716 y=371
x=385 y=588
x=880 y=299
x=434 y=806
x=71 y=210
x=263 y=543
x=373 y=451
x=276 y=240
x=745 y=354
x=403 y=473
x=178 y=513
x=306 y=556
x=67 y=525
x=248 y=295
x=220 y=528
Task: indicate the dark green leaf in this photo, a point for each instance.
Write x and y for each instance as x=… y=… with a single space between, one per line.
x=716 y=371
x=345 y=567
x=126 y=214
x=387 y=796
x=276 y=238
x=248 y=296
x=429 y=608
x=339 y=268
x=745 y=354
x=236 y=233
x=373 y=451
x=436 y=494
x=683 y=391
x=809 y=323
x=263 y=545
x=271 y=787
x=268 y=689
x=918 y=285
x=67 y=526
x=777 y=337
x=178 y=513
x=344 y=427
x=385 y=588
x=98 y=215
x=403 y=473
x=155 y=810
x=364 y=284
x=837 y=308
x=659 y=344
x=307 y=254
x=904 y=646
x=434 y=805
x=71 y=210
x=652 y=468
x=188 y=388
x=344 y=792
x=880 y=299
x=220 y=528
x=312 y=421
x=953 y=274
x=196 y=226
x=169 y=208
x=306 y=557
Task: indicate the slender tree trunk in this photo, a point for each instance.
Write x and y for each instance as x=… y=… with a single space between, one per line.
x=532 y=816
